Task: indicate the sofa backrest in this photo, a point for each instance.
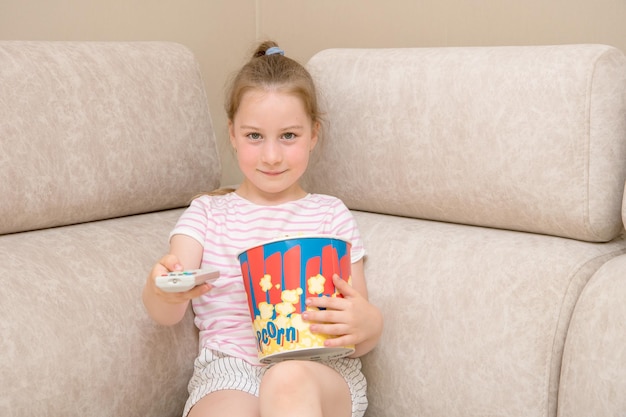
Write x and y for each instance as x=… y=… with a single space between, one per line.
x=529 y=138
x=93 y=130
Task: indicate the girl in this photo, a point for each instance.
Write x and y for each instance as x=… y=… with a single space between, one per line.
x=273 y=124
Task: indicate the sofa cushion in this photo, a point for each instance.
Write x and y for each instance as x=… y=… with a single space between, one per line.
x=475 y=318
x=76 y=339
x=93 y=130
x=524 y=138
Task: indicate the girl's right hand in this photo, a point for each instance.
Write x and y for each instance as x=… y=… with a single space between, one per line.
x=170 y=263
x=168 y=308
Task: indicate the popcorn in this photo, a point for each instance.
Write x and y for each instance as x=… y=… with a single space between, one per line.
x=298 y=323
x=316 y=284
x=291 y=296
x=266 y=282
x=267 y=310
x=282 y=321
x=284 y=309
x=277 y=302
x=278 y=328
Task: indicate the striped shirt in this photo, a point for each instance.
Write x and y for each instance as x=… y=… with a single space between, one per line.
x=229 y=224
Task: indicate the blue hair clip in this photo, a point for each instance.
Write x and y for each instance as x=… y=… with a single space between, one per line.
x=274 y=50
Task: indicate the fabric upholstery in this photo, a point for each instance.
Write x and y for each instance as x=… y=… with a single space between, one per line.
x=91 y=130
x=523 y=138
x=76 y=339
x=593 y=381
x=475 y=318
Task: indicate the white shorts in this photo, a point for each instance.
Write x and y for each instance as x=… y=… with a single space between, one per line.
x=215 y=371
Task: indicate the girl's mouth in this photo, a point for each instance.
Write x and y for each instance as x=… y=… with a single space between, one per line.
x=272 y=173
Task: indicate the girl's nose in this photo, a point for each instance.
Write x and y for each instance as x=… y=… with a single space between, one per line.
x=271 y=152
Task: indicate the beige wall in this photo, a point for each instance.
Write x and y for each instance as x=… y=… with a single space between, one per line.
x=221 y=32
x=309 y=26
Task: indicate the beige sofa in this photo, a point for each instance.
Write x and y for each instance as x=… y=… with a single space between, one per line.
x=487 y=183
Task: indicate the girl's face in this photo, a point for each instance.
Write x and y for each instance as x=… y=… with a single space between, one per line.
x=273 y=137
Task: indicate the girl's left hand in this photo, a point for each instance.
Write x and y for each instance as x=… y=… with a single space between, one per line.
x=352 y=319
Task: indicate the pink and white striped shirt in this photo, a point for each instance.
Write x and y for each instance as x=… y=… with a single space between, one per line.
x=228 y=224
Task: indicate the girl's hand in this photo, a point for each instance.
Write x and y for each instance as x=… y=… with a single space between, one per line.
x=352 y=318
x=170 y=263
x=169 y=308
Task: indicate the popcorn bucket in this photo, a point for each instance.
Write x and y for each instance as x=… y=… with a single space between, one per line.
x=278 y=276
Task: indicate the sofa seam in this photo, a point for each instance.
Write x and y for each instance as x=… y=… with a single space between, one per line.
x=575 y=271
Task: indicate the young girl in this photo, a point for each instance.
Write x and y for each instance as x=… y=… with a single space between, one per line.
x=273 y=124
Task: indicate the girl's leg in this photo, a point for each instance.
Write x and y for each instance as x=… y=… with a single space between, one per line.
x=226 y=403
x=304 y=389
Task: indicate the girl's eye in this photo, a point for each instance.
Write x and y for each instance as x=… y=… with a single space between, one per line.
x=254 y=136
x=289 y=136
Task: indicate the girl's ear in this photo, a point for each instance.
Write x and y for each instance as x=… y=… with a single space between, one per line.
x=231 y=134
x=315 y=135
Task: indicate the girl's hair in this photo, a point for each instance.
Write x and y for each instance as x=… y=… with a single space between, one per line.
x=273 y=72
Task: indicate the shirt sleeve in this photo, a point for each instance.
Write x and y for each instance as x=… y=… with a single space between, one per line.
x=193 y=221
x=345 y=226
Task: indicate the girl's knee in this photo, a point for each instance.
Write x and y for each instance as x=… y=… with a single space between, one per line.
x=305 y=389
x=289 y=388
x=287 y=376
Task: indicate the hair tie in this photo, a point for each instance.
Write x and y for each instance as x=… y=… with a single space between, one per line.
x=274 y=50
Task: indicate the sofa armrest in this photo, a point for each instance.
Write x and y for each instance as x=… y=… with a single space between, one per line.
x=593 y=375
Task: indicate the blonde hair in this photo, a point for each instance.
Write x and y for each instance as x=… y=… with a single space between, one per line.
x=271 y=72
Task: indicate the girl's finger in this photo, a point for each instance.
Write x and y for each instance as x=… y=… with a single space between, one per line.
x=343 y=287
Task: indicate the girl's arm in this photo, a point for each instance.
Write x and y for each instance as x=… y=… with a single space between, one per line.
x=169 y=308
x=353 y=319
